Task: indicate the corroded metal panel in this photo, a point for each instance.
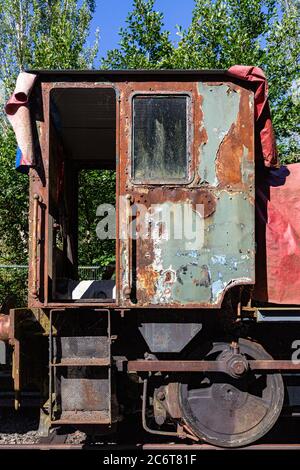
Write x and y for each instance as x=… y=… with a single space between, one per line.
x=170 y=272
x=168 y=337
x=85 y=394
x=173 y=271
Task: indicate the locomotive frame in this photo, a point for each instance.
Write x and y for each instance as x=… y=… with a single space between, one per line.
x=205 y=328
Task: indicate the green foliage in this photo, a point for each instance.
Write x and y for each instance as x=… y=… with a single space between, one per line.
x=13 y=221
x=222 y=33
x=14 y=282
x=61 y=42
x=258 y=32
x=143 y=44
x=95 y=187
x=34 y=34
x=44 y=34
x=282 y=66
x=13 y=205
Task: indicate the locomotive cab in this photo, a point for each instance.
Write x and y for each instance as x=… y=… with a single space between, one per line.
x=181 y=153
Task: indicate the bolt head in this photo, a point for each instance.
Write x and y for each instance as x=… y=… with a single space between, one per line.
x=238 y=367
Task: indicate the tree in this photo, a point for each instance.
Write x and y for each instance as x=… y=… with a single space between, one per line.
x=95 y=187
x=282 y=66
x=45 y=34
x=143 y=42
x=223 y=33
x=265 y=33
x=34 y=34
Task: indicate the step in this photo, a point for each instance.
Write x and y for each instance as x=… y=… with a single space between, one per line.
x=81 y=350
x=82 y=361
x=83 y=417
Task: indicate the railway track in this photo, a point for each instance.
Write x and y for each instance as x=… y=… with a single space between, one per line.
x=59 y=444
x=60 y=438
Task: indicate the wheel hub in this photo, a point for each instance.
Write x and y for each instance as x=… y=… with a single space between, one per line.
x=236 y=363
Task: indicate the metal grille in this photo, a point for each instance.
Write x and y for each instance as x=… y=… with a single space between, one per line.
x=13 y=280
x=92 y=273
x=84 y=272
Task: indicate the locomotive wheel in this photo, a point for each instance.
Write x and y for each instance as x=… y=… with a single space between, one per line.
x=229 y=412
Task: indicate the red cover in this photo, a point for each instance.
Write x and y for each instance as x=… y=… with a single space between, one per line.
x=265 y=138
x=278 y=236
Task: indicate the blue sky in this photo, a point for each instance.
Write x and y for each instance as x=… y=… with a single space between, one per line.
x=110 y=15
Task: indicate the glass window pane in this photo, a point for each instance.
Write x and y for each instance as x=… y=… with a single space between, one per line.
x=160 y=138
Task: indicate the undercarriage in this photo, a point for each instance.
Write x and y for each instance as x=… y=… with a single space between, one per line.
x=180 y=375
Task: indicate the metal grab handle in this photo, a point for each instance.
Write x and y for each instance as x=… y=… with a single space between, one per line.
x=36 y=200
x=127 y=289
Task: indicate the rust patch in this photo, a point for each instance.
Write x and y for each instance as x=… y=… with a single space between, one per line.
x=238 y=140
x=147 y=282
x=194 y=196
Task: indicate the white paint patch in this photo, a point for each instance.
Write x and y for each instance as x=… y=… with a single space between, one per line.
x=80 y=289
x=218 y=259
x=217 y=288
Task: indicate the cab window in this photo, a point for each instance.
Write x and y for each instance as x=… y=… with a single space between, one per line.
x=160 y=138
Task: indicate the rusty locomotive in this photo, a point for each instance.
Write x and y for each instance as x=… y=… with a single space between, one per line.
x=177 y=338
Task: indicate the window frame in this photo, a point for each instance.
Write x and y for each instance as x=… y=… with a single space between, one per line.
x=172 y=181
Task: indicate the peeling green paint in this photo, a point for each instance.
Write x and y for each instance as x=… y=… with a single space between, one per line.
x=201 y=274
x=247 y=167
x=220 y=110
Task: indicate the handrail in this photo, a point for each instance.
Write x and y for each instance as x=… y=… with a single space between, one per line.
x=35 y=230
x=127 y=289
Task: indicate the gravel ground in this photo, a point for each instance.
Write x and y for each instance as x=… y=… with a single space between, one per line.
x=18 y=428
x=77 y=437
x=22 y=428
